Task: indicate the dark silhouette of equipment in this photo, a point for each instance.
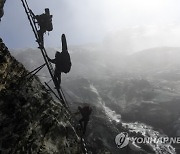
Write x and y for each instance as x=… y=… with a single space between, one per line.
x=65 y=57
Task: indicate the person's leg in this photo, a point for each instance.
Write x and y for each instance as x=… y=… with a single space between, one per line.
x=41 y=38
x=59 y=79
x=85 y=125
x=80 y=121
x=56 y=78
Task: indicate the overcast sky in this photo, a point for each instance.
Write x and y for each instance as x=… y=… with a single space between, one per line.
x=157 y=22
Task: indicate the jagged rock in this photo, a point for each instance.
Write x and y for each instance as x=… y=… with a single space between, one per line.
x=31 y=121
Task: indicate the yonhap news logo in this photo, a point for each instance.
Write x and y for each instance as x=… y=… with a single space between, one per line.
x=122 y=140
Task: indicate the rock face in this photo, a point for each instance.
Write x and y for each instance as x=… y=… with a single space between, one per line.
x=1 y=8
x=30 y=120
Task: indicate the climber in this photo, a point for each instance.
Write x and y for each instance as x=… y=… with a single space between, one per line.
x=62 y=62
x=58 y=69
x=45 y=23
x=85 y=112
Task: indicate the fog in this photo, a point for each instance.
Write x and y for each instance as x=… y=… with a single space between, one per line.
x=124 y=26
x=125 y=58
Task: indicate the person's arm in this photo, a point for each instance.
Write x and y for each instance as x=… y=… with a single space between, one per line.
x=51 y=60
x=76 y=113
x=31 y=12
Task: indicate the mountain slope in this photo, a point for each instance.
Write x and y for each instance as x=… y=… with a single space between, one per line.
x=31 y=122
x=112 y=94
x=157 y=62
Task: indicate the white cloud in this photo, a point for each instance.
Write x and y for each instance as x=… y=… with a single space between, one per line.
x=89 y=20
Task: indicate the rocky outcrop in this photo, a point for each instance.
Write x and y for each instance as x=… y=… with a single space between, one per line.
x=30 y=120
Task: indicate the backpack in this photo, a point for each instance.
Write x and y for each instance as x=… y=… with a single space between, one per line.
x=49 y=26
x=64 y=62
x=87 y=110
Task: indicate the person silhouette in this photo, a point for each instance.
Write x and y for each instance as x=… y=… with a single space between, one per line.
x=45 y=24
x=58 y=68
x=85 y=113
x=62 y=62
